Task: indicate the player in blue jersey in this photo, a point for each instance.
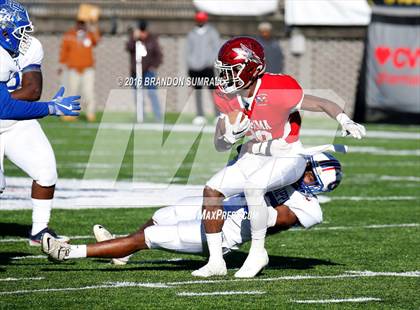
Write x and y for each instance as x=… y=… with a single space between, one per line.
x=14 y=41
x=20 y=134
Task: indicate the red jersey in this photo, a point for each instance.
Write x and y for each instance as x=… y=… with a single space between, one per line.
x=272 y=110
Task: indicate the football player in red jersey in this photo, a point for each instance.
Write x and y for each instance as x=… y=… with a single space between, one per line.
x=264 y=106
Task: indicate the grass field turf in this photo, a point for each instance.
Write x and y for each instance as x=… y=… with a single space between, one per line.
x=319 y=252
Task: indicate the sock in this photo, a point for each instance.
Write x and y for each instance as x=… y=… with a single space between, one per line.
x=77 y=251
x=257 y=245
x=259 y=216
x=214 y=242
x=41 y=212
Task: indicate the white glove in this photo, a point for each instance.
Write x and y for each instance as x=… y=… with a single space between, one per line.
x=350 y=128
x=275 y=147
x=233 y=132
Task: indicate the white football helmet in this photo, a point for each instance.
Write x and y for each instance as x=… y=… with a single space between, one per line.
x=327 y=172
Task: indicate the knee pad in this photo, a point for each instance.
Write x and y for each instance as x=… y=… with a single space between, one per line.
x=46 y=177
x=185 y=237
x=162 y=237
x=191 y=232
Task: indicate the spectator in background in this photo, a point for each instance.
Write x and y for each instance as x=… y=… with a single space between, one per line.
x=274 y=58
x=150 y=62
x=203 y=42
x=77 y=57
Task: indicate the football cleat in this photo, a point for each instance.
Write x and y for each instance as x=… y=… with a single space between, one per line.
x=254 y=263
x=55 y=249
x=102 y=234
x=35 y=240
x=211 y=269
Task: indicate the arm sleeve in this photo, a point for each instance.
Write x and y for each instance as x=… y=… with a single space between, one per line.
x=18 y=109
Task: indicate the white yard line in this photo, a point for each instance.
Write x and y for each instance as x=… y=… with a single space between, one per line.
x=374 y=198
x=382 y=151
x=210 y=129
x=107 y=194
x=223 y=293
x=21 y=279
x=83 y=288
x=28 y=257
x=399 y=178
x=367 y=273
x=11 y=240
x=351 y=274
x=365 y=227
x=374 y=226
x=335 y=301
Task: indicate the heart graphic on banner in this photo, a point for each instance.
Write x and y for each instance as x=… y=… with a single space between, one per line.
x=382 y=54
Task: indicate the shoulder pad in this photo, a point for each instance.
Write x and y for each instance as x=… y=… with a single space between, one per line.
x=33 y=55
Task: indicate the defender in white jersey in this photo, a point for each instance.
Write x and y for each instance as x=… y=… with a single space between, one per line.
x=24 y=143
x=179 y=228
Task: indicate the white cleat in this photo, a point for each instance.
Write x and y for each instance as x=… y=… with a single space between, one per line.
x=254 y=263
x=102 y=234
x=55 y=249
x=211 y=269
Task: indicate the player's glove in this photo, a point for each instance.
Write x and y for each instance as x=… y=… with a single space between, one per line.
x=64 y=106
x=233 y=132
x=350 y=127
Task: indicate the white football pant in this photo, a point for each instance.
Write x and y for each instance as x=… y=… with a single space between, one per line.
x=26 y=145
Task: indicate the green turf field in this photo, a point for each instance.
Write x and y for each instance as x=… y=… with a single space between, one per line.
x=367 y=247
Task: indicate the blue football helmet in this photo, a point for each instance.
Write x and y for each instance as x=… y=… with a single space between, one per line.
x=14 y=26
x=327 y=173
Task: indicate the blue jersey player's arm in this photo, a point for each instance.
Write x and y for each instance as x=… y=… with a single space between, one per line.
x=18 y=109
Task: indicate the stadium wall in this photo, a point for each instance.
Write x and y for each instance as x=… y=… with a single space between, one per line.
x=328 y=63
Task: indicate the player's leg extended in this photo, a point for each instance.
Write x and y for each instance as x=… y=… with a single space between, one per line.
x=114 y=248
x=276 y=172
x=184 y=237
x=227 y=182
x=118 y=247
x=175 y=228
x=185 y=210
x=29 y=149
